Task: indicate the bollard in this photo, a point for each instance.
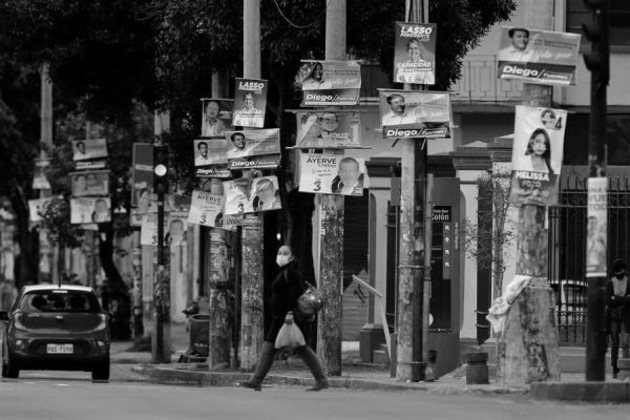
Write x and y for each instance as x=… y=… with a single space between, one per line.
x=624 y=368
x=477 y=368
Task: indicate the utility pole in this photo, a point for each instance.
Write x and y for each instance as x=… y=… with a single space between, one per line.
x=45 y=264
x=252 y=251
x=531 y=336
x=331 y=220
x=410 y=334
x=598 y=63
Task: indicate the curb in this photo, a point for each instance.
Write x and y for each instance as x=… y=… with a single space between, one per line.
x=604 y=392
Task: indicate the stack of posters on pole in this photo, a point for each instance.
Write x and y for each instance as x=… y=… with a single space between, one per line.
x=414 y=56
x=331 y=174
x=253 y=149
x=327 y=129
x=250 y=102
x=250 y=195
x=419 y=114
x=537 y=56
x=90 y=203
x=537 y=155
x=326 y=83
x=207 y=209
x=211 y=158
x=216 y=117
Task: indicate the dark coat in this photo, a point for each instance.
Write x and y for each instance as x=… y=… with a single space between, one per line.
x=618 y=307
x=287 y=287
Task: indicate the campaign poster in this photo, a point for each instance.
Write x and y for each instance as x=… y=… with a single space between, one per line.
x=414 y=53
x=210 y=152
x=89 y=149
x=40 y=182
x=537 y=56
x=141 y=174
x=90 y=210
x=216 y=116
x=537 y=155
x=215 y=171
x=176 y=228
x=89 y=183
x=246 y=195
x=250 y=102
x=135 y=218
x=149 y=229
x=326 y=83
x=415 y=114
x=37 y=207
x=245 y=143
x=207 y=210
x=327 y=129
x=90 y=164
x=597 y=227
x=323 y=173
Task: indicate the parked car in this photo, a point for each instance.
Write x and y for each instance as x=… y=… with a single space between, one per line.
x=56 y=328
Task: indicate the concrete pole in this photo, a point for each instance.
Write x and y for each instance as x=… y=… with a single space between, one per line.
x=531 y=336
x=331 y=218
x=252 y=234
x=46 y=265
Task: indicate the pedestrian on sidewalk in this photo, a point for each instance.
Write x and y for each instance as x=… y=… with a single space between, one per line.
x=618 y=312
x=285 y=291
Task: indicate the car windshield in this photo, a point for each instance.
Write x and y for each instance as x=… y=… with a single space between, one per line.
x=59 y=301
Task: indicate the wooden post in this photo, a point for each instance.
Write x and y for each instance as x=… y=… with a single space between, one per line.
x=252 y=257
x=531 y=336
x=331 y=218
x=46 y=265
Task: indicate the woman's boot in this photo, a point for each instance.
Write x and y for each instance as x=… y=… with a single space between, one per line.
x=264 y=364
x=311 y=360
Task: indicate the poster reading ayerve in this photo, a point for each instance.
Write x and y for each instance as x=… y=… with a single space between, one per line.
x=538 y=56
x=207 y=210
x=414 y=57
x=415 y=114
x=330 y=82
x=537 y=155
x=250 y=102
x=329 y=129
x=331 y=174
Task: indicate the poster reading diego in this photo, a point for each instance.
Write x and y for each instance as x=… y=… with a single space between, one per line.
x=250 y=102
x=330 y=129
x=414 y=56
x=331 y=174
x=537 y=155
x=89 y=149
x=415 y=114
x=327 y=83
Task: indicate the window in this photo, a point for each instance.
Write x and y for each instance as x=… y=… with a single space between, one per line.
x=578 y=13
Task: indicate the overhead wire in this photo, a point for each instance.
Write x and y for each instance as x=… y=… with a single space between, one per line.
x=319 y=16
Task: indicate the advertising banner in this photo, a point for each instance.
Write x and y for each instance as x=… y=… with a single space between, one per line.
x=216 y=116
x=89 y=183
x=414 y=54
x=37 y=207
x=207 y=210
x=246 y=143
x=537 y=155
x=415 y=114
x=331 y=174
x=210 y=152
x=175 y=228
x=329 y=129
x=537 y=56
x=326 y=83
x=89 y=149
x=250 y=102
x=90 y=210
x=142 y=172
x=245 y=195
x=597 y=227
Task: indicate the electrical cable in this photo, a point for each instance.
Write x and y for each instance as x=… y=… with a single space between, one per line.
x=301 y=26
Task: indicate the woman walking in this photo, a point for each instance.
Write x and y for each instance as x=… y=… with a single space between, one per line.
x=285 y=291
x=618 y=312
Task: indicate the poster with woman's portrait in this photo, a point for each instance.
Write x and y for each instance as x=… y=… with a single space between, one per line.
x=216 y=116
x=90 y=183
x=537 y=155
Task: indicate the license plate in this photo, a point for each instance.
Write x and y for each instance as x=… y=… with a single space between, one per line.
x=59 y=349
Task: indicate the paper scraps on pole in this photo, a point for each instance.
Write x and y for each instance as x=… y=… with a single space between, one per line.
x=497 y=314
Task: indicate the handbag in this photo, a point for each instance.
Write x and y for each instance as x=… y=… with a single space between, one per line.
x=310 y=302
x=289 y=335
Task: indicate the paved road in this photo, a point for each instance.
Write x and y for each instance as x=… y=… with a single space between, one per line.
x=73 y=396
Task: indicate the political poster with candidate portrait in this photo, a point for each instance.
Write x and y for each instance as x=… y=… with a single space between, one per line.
x=537 y=155
x=210 y=152
x=141 y=174
x=414 y=54
x=421 y=114
x=597 y=227
x=90 y=183
x=246 y=195
x=250 y=101
x=207 y=209
x=149 y=229
x=537 y=56
x=216 y=116
x=89 y=149
x=90 y=210
x=37 y=207
x=246 y=143
x=327 y=129
x=176 y=228
x=326 y=83
x=323 y=173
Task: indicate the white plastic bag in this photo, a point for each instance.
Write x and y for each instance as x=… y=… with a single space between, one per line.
x=289 y=336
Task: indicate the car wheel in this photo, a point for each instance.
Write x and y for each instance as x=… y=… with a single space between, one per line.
x=101 y=371
x=9 y=368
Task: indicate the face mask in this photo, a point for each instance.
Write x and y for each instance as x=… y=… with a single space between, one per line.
x=282 y=260
x=620 y=275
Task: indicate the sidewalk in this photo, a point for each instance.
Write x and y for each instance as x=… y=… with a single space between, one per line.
x=356 y=375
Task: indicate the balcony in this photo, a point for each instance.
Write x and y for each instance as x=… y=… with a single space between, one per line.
x=479 y=83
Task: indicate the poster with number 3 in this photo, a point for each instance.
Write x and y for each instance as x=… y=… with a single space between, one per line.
x=322 y=173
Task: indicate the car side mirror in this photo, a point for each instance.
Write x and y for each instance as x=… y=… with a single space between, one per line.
x=4 y=316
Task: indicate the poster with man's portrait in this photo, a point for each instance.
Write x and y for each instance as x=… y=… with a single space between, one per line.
x=323 y=173
x=90 y=183
x=250 y=101
x=537 y=56
x=537 y=155
x=141 y=173
x=328 y=129
x=247 y=195
x=597 y=228
x=89 y=149
x=421 y=114
x=329 y=83
x=207 y=209
x=176 y=228
x=216 y=116
x=247 y=143
x=414 y=54
x=210 y=152
x=90 y=210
